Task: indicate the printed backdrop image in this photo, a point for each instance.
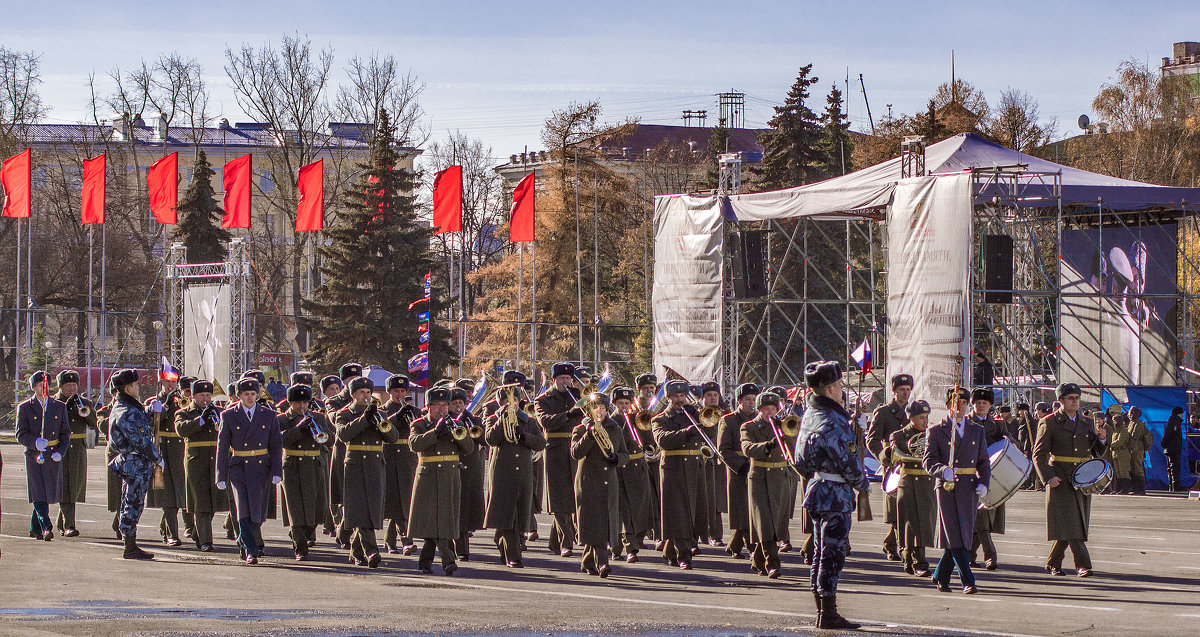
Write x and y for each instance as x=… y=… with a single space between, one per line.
x=206 y=331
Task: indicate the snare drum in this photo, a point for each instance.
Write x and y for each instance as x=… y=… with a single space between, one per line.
x=1093 y=476
x=1010 y=470
x=891 y=481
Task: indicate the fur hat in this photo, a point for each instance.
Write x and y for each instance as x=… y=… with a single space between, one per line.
x=1066 y=389
x=983 y=393
x=623 y=393
x=185 y=382
x=562 y=369
x=512 y=376
x=645 y=379
x=916 y=408
x=302 y=378
x=329 y=380
x=299 y=393
x=256 y=374
x=821 y=373
x=437 y=395
x=38 y=377
x=900 y=380
x=201 y=386
x=124 y=377
x=465 y=384
x=67 y=376
x=709 y=386
x=350 y=370
x=397 y=381
x=458 y=393
x=361 y=382
x=677 y=387
x=248 y=384
x=963 y=394
x=746 y=389
x=766 y=398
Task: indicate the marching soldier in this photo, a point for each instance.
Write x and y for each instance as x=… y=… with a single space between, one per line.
x=887 y=420
x=558 y=415
x=514 y=437
x=198 y=424
x=1140 y=442
x=737 y=468
x=400 y=466
x=473 y=506
x=1065 y=439
x=634 y=477
x=82 y=414
x=297 y=378
x=677 y=434
x=171 y=496
x=43 y=428
x=337 y=460
x=647 y=384
x=827 y=454
x=306 y=435
x=331 y=386
x=768 y=480
x=112 y=477
x=987 y=521
x=786 y=407
x=364 y=429
x=250 y=460
x=539 y=468
x=438 y=485
x=956 y=455
x=598 y=444
x=131 y=440
x=713 y=494
x=916 y=511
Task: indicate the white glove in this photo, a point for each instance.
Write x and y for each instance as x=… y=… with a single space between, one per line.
x=981 y=490
x=40 y=444
x=276 y=479
x=948 y=474
x=156 y=406
x=56 y=456
x=221 y=485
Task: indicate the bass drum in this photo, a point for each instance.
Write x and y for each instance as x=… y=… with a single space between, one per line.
x=1010 y=470
x=891 y=481
x=1093 y=476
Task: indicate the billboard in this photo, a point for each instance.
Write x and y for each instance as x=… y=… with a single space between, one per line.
x=207 y=328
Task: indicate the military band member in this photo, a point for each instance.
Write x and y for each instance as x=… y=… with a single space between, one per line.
x=514 y=437
x=74 y=464
x=737 y=468
x=677 y=434
x=1065 y=439
x=647 y=385
x=400 y=466
x=987 y=521
x=634 y=477
x=337 y=459
x=131 y=439
x=363 y=428
x=473 y=506
x=170 y=498
x=785 y=543
x=709 y=525
x=887 y=420
x=558 y=415
x=250 y=460
x=331 y=386
x=916 y=510
x=305 y=434
x=437 y=489
x=598 y=444
x=956 y=454
x=44 y=429
x=198 y=424
x=827 y=454
x=1141 y=441
x=297 y=378
x=768 y=481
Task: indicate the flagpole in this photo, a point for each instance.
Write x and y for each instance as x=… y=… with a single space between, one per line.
x=103 y=303
x=533 y=323
x=462 y=307
x=88 y=322
x=17 y=328
x=596 y=265
x=520 y=295
x=30 y=318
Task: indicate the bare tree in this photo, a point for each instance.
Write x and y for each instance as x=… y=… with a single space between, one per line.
x=20 y=102
x=174 y=86
x=375 y=83
x=1017 y=122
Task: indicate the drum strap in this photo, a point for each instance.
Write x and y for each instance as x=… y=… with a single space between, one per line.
x=1074 y=459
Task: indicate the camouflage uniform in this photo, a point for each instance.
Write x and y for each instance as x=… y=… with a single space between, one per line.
x=131 y=436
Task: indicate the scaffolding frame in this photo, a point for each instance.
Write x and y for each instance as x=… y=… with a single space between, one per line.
x=235 y=271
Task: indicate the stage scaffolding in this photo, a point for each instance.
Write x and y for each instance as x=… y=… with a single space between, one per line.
x=235 y=272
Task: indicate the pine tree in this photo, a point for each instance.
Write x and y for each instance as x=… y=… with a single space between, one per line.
x=200 y=217
x=373 y=264
x=790 y=147
x=836 y=146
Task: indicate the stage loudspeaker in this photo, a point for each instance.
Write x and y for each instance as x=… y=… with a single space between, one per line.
x=997 y=268
x=749 y=271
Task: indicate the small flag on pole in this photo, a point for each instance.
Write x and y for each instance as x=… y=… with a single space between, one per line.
x=606 y=380
x=418 y=369
x=166 y=371
x=862 y=356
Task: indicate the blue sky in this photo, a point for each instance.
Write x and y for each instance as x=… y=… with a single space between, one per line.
x=495 y=70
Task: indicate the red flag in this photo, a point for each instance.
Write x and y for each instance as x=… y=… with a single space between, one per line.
x=447 y=200
x=93 y=191
x=163 y=182
x=520 y=226
x=17 y=178
x=236 y=180
x=310 y=213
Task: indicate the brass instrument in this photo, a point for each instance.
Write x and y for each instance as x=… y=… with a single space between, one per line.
x=473 y=430
x=643 y=419
x=599 y=433
x=710 y=416
x=183 y=402
x=80 y=407
x=777 y=428
x=790 y=426
x=508 y=415
x=314 y=429
x=709 y=449
x=382 y=423
x=650 y=452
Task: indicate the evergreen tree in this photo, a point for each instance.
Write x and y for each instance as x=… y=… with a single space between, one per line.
x=200 y=217
x=373 y=264
x=930 y=127
x=836 y=146
x=790 y=148
x=39 y=354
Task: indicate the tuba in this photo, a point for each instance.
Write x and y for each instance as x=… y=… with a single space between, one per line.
x=508 y=416
x=597 y=430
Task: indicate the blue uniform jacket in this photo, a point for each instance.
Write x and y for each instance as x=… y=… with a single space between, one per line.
x=131 y=437
x=826 y=445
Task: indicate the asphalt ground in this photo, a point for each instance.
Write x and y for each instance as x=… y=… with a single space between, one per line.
x=1145 y=551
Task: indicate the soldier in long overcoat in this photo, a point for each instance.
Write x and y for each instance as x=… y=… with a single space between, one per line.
x=769 y=484
x=362 y=427
x=199 y=424
x=676 y=433
x=474 y=473
x=737 y=468
x=510 y=469
x=400 y=466
x=636 y=515
x=337 y=458
x=558 y=415
x=437 y=490
x=43 y=428
x=647 y=385
x=597 y=487
x=887 y=420
x=170 y=497
x=306 y=435
x=916 y=510
x=75 y=460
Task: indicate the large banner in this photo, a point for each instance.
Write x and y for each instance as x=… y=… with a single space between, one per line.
x=688 y=235
x=207 y=330
x=1119 y=305
x=928 y=279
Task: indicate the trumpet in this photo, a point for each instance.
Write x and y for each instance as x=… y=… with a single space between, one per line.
x=457 y=431
x=315 y=430
x=473 y=430
x=382 y=423
x=81 y=409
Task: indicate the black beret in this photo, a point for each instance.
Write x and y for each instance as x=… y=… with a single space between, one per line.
x=983 y=393
x=916 y=408
x=1042 y=406
x=746 y=389
x=299 y=393
x=709 y=386
x=361 y=382
x=766 y=398
x=465 y=384
x=201 y=386
x=821 y=373
x=256 y=374
x=67 y=376
x=437 y=395
x=645 y=379
x=38 y=377
x=248 y=384
x=513 y=377
x=330 y=380
x=397 y=381
x=458 y=393
x=1066 y=389
x=899 y=380
x=623 y=393
x=562 y=369
x=963 y=394
x=677 y=387
x=350 y=370
x=302 y=378
x=185 y=382
x=123 y=377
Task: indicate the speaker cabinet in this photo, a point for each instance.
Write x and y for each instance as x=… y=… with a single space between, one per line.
x=997 y=268
x=749 y=269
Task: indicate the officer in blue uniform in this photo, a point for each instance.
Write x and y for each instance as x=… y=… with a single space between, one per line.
x=43 y=427
x=827 y=454
x=131 y=439
x=249 y=459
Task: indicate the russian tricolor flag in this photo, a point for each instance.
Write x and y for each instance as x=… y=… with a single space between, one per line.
x=862 y=356
x=166 y=371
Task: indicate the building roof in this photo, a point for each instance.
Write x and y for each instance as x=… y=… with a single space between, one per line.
x=648 y=136
x=243 y=134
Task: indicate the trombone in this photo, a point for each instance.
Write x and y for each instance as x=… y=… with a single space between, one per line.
x=778 y=428
x=709 y=449
x=650 y=451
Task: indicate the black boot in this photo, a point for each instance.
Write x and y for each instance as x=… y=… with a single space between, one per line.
x=817 y=598
x=830 y=617
x=132 y=552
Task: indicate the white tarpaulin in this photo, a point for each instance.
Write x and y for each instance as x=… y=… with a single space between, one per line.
x=687 y=286
x=929 y=284
x=206 y=331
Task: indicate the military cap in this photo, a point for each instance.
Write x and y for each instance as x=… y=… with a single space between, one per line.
x=329 y=380
x=601 y=399
x=38 y=377
x=361 y=382
x=583 y=371
x=916 y=408
x=1066 y=389
x=677 y=387
x=562 y=369
x=900 y=380
x=1021 y=406
x=256 y=374
x=299 y=393
x=123 y=377
x=513 y=377
x=437 y=395
x=185 y=382
x=623 y=393
x=397 y=381
x=821 y=373
x=645 y=379
x=248 y=384
x=302 y=378
x=1005 y=409
x=458 y=393
x=67 y=376
x=746 y=389
x=350 y=370
x=766 y=398
x=779 y=391
x=201 y=386
x=963 y=394
x=709 y=386
x=465 y=384
x=1042 y=406
x=983 y=393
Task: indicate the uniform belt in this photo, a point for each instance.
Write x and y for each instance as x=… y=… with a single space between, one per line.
x=964 y=471
x=558 y=434
x=168 y=434
x=238 y=453
x=681 y=452
x=1074 y=459
x=51 y=443
x=302 y=453
x=437 y=459
x=637 y=456
x=82 y=436
x=913 y=472
x=830 y=477
x=402 y=441
x=741 y=453
x=364 y=447
x=201 y=443
x=765 y=464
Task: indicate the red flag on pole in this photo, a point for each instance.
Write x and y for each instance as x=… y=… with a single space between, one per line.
x=310 y=213
x=163 y=181
x=236 y=180
x=93 y=191
x=17 y=178
x=447 y=200
x=520 y=227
